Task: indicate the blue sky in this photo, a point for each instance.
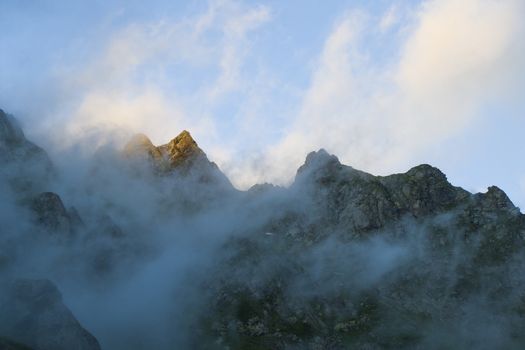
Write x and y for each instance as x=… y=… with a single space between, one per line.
x=384 y=85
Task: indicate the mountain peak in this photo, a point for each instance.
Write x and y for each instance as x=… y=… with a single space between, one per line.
x=26 y=165
x=185 y=134
x=10 y=131
x=183 y=144
x=318 y=159
x=496 y=198
x=165 y=157
x=426 y=171
x=181 y=148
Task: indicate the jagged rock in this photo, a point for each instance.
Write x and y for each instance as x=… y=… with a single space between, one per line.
x=25 y=166
x=423 y=190
x=10 y=133
x=313 y=289
x=182 y=150
x=33 y=313
x=186 y=158
x=355 y=200
x=319 y=161
x=14 y=144
x=495 y=199
x=341 y=259
x=182 y=159
x=51 y=213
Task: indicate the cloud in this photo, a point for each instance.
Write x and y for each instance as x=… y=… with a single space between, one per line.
x=234 y=48
x=161 y=76
x=454 y=62
x=389 y=18
x=447 y=64
x=384 y=89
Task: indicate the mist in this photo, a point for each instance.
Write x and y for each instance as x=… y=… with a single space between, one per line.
x=384 y=86
x=146 y=259
x=238 y=236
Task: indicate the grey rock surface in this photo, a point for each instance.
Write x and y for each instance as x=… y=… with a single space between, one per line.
x=33 y=314
x=23 y=164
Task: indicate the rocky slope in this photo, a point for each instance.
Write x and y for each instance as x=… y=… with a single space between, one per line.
x=33 y=314
x=181 y=157
x=23 y=164
x=368 y=262
x=340 y=259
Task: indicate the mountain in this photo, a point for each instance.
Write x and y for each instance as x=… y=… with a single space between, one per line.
x=23 y=164
x=190 y=182
x=163 y=252
x=402 y=261
x=181 y=156
x=33 y=314
x=27 y=171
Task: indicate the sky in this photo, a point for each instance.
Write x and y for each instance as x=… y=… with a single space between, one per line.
x=384 y=85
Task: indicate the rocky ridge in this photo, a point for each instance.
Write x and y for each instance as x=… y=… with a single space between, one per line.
x=180 y=156
x=23 y=164
x=340 y=259
x=318 y=280
x=33 y=314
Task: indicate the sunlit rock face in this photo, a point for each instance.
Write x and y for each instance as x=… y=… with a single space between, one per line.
x=181 y=156
x=182 y=151
x=179 y=153
x=34 y=315
x=192 y=182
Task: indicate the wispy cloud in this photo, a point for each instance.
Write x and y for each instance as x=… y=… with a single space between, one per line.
x=452 y=60
x=389 y=18
x=134 y=84
x=383 y=88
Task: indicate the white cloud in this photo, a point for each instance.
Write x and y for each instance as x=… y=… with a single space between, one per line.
x=453 y=62
x=389 y=18
x=377 y=110
x=455 y=59
x=128 y=87
x=234 y=48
